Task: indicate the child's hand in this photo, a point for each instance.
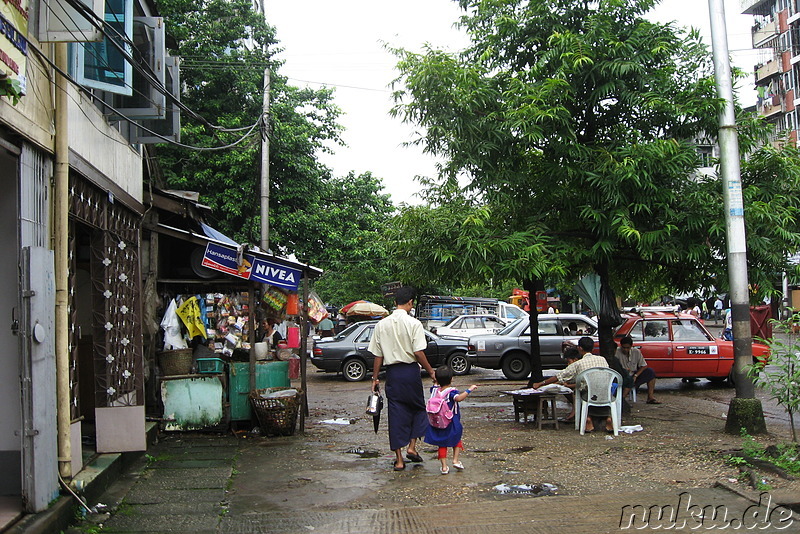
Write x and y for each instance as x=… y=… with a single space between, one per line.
x=473 y=387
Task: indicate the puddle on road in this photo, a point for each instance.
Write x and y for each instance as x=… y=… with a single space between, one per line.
x=534 y=490
x=363 y=453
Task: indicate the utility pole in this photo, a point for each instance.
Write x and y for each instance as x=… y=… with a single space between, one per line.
x=265 y=167
x=745 y=410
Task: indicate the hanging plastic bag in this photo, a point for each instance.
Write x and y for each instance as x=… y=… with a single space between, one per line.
x=172 y=328
x=316 y=308
x=189 y=312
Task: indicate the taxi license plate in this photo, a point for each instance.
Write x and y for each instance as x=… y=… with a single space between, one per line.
x=698 y=350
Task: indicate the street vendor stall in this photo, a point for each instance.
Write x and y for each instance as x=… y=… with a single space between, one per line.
x=211 y=296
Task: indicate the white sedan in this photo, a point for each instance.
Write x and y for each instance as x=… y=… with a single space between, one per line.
x=465 y=326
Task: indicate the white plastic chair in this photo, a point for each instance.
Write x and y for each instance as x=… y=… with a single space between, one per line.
x=593 y=388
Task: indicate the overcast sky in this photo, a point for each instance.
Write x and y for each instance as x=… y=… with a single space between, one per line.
x=340 y=44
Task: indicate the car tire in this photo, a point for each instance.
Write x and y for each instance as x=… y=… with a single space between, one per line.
x=354 y=370
x=516 y=366
x=459 y=364
x=717 y=379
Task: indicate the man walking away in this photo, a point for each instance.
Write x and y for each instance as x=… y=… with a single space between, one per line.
x=399 y=342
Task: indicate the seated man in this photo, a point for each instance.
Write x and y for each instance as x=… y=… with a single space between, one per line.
x=579 y=360
x=639 y=373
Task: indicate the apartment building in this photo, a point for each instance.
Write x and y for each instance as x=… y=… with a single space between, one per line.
x=775 y=34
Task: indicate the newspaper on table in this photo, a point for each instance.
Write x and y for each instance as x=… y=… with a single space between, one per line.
x=550 y=388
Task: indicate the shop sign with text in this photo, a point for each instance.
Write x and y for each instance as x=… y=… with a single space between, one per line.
x=13 y=39
x=222 y=258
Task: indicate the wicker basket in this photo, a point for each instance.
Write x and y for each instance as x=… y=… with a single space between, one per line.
x=175 y=362
x=276 y=416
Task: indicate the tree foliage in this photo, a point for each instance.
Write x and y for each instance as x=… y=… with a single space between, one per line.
x=225 y=47
x=570 y=128
x=349 y=241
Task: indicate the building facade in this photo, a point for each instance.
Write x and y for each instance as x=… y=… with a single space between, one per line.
x=85 y=90
x=775 y=33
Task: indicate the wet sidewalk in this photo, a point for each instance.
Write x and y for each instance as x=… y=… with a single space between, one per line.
x=191 y=484
x=337 y=478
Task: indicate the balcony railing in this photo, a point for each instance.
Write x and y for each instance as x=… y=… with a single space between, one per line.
x=764 y=33
x=770 y=68
x=770 y=109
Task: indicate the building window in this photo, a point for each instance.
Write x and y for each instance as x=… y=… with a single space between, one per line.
x=706 y=154
x=104 y=64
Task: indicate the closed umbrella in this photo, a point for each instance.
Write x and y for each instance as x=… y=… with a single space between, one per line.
x=374 y=407
x=367 y=309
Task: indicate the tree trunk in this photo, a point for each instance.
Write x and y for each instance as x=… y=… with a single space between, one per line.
x=532 y=286
x=608 y=316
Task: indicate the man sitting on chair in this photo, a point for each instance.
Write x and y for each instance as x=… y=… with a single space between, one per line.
x=639 y=373
x=584 y=360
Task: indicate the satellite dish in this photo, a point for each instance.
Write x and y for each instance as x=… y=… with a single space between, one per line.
x=196 y=262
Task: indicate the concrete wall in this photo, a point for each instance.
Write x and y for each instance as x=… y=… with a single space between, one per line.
x=102 y=146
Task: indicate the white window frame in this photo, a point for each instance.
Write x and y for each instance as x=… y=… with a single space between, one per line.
x=79 y=57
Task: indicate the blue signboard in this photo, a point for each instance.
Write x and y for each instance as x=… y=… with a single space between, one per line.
x=223 y=258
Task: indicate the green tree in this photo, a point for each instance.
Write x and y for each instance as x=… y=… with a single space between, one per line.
x=570 y=127
x=225 y=46
x=573 y=123
x=348 y=242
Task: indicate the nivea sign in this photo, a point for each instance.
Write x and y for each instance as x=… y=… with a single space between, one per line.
x=223 y=258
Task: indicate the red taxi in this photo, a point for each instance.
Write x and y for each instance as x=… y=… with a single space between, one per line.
x=677 y=345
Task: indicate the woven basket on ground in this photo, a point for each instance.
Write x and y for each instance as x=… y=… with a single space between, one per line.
x=175 y=362
x=276 y=416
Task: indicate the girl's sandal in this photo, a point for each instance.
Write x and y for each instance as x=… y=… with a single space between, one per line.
x=445 y=470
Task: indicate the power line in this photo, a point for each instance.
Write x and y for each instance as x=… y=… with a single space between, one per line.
x=86 y=91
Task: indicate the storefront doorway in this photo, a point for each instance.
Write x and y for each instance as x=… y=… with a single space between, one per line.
x=10 y=387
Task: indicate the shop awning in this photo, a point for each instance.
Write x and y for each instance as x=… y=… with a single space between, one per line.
x=241 y=261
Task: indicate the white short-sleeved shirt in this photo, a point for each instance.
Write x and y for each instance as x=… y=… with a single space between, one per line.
x=397 y=337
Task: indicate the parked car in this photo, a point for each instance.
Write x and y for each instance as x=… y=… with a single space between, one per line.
x=347 y=352
x=678 y=345
x=510 y=350
x=465 y=326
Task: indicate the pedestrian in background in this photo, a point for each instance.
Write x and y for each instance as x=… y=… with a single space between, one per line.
x=450 y=436
x=398 y=341
x=718 y=305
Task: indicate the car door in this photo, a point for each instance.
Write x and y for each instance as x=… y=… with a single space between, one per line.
x=362 y=340
x=652 y=337
x=550 y=338
x=432 y=351
x=695 y=353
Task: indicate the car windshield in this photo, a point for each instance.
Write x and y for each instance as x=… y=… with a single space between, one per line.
x=507 y=330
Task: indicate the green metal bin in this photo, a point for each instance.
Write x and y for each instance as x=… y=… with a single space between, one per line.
x=268 y=375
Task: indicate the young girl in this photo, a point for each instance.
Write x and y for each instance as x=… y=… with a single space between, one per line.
x=450 y=436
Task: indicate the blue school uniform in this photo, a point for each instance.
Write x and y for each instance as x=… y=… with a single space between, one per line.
x=450 y=436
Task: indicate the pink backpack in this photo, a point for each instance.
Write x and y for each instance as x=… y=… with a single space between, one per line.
x=440 y=415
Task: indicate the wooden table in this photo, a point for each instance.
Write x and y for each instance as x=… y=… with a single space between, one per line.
x=542 y=405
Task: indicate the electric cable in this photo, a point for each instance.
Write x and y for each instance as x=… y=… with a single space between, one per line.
x=151 y=77
x=151 y=132
x=100 y=25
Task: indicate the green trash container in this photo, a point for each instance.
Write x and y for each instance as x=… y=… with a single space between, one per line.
x=268 y=375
